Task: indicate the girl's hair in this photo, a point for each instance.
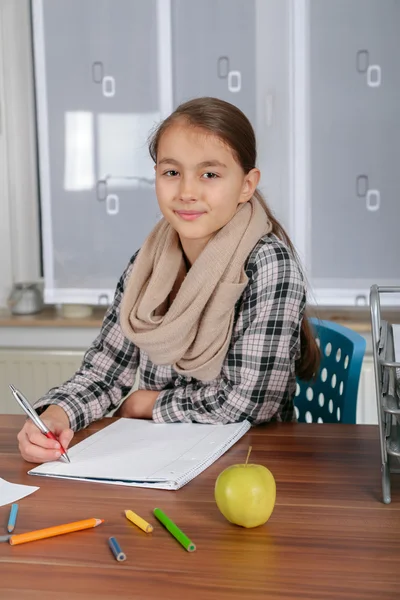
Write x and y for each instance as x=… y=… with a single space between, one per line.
x=229 y=124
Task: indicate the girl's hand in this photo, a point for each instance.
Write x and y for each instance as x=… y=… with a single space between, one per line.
x=35 y=446
x=139 y=405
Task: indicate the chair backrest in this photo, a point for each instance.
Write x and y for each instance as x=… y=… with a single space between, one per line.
x=332 y=396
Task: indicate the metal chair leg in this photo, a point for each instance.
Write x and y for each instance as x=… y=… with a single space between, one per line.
x=386 y=484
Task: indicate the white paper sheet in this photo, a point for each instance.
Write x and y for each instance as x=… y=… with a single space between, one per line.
x=11 y=492
x=145 y=454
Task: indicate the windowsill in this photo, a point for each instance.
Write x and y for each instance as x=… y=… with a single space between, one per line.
x=50 y=317
x=356 y=318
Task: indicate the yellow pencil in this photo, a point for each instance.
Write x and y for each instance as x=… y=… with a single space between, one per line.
x=136 y=520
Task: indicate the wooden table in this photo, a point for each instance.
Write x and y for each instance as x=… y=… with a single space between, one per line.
x=329 y=537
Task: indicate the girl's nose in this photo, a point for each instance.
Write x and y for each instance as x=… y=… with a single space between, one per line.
x=187 y=192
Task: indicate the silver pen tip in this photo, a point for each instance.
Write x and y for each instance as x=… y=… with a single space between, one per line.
x=12 y=388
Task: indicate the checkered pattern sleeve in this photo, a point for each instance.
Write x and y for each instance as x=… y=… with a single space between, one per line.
x=257 y=381
x=106 y=375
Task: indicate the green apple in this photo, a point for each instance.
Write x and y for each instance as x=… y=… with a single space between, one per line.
x=245 y=494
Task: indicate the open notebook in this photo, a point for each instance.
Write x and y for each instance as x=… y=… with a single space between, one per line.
x=145 y=454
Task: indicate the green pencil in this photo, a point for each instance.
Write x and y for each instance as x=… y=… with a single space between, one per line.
x=174 y=530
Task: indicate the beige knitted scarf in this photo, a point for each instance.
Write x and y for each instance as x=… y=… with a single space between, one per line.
x=193 y=332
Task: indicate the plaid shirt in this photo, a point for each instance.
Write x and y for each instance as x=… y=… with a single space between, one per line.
x=257 y=380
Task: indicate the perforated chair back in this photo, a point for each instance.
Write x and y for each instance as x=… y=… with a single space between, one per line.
x=332 y=396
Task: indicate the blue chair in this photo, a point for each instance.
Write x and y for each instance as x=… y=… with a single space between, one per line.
x=332 y=396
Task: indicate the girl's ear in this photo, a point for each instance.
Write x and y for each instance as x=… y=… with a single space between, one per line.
x=250 y=184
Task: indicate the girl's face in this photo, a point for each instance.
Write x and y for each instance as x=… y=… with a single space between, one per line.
x=199 y=184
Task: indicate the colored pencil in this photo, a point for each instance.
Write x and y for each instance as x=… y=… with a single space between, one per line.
x=138 y=521
x=12 y=518
x=116 y=549
x=41 y=534
x=174 y=530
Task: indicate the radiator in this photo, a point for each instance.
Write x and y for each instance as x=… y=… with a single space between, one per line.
x=34 y=372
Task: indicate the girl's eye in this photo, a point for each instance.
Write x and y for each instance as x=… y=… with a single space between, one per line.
x=171 y=173
x=210 y=175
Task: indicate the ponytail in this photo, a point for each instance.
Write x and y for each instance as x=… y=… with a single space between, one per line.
x=308 y=363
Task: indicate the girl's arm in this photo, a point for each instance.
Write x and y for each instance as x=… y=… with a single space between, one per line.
x=257 y=381
x=106 y=375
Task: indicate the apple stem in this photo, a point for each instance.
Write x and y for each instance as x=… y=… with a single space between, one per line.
x=248 y=454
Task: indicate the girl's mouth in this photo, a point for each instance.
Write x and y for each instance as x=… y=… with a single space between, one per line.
x=188 y=215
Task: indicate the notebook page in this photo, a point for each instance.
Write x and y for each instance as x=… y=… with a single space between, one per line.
x=132 y=450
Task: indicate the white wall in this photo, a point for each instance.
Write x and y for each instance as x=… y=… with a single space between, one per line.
x=19 y=219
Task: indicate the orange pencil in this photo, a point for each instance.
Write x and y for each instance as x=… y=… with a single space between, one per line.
x=41 y=534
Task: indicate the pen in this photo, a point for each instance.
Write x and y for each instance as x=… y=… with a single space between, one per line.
x=32 y=414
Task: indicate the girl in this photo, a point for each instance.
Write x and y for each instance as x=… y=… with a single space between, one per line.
x=211 y=309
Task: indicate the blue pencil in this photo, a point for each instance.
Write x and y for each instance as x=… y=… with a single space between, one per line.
x=116 y=549
x=13 y=518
